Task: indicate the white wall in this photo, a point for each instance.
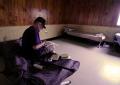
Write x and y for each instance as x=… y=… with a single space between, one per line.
x=109 y=32
x=15 y=32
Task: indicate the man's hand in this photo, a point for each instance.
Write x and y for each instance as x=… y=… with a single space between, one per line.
x=38 y=45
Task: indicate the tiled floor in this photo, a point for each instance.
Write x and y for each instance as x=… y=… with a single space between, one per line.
x=99 y=66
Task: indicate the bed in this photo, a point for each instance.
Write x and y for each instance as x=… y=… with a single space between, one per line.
x=99 y=37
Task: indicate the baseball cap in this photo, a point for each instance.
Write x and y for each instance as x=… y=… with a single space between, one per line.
x=41 y=20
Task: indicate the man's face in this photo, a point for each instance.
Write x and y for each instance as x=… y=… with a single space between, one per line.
x=39 y=26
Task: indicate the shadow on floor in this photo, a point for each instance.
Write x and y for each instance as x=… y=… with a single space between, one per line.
x=108 y=48
x=80 y=41
x=112 y=50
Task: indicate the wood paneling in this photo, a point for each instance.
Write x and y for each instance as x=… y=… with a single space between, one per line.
x=92 y=12
x=22 y=12
x=55 y=8
x=88 y=12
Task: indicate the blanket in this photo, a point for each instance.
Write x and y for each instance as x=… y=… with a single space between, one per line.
x=53 y=73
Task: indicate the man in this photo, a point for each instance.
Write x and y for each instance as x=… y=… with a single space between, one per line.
x=33 y=47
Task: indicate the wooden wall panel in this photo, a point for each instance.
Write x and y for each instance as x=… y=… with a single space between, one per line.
x=23 y=12
x=85 y=12
x=55 y=8
x=14 y=12
x=92 y=12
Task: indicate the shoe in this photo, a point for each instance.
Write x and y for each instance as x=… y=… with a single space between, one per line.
x=66 y=83
x=64 y=56
x=55 y=56
x=38 y=66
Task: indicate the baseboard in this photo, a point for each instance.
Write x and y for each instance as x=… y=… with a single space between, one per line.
x=54 y=38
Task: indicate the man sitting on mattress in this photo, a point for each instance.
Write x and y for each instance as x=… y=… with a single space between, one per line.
x=33 y=47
